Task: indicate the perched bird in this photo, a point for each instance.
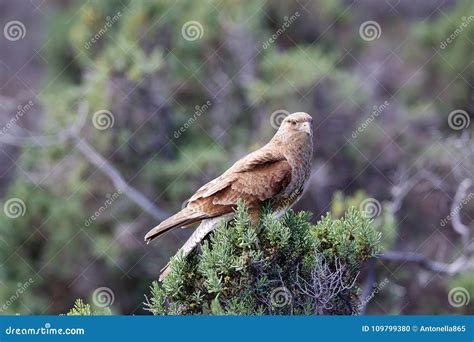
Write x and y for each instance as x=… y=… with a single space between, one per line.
x=274 y=174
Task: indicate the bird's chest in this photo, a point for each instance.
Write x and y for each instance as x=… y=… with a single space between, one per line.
x=299 y=175
x=295 y=188
x=300 y=162
x=286 y=201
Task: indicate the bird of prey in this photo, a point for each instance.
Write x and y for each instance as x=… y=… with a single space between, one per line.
x=274 y=174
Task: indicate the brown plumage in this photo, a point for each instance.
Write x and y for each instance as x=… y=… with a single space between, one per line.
x=277 y=172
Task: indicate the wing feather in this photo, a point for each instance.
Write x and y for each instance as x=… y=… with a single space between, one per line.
x=257 y=177
x=258 y=158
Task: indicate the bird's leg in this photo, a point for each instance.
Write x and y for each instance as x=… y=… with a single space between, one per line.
x=254 y=215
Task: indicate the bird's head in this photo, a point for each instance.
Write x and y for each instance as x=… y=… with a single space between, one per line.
x=295 y=126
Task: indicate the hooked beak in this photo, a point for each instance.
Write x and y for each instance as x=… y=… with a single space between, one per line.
x=306 y=127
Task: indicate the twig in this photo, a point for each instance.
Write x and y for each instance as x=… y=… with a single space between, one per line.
x=456 y=207
x=119 y=182
x=43 y=141
x=461 y=264
x=73 y=133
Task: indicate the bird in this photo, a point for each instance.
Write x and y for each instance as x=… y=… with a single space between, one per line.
x=275 y=174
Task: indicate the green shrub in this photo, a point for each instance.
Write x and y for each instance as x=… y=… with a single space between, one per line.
x=282 y=266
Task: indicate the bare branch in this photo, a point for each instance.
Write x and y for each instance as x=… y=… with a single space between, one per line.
x=461 y=264
x=326 y=283
x=456 y=207
x=406 y=184
x=43 y=141
x=114 y=175
x=73 y=133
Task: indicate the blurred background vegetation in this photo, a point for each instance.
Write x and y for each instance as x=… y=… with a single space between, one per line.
x=182 y=107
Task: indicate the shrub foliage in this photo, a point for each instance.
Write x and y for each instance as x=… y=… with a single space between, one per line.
x=284 y=266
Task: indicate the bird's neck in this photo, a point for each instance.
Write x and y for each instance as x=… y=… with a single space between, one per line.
x=299 y=147
x=298 y=151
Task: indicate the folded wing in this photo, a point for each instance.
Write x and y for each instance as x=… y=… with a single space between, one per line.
x=254 y=179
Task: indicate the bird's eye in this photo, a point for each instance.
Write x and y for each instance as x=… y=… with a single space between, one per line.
x=293 y=123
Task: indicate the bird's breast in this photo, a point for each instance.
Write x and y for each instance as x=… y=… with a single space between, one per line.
x=286 y=201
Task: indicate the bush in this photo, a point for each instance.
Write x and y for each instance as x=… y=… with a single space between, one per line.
x=82 y=309
x=283 y=266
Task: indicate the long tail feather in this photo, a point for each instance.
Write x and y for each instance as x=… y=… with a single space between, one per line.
x=184 y=217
